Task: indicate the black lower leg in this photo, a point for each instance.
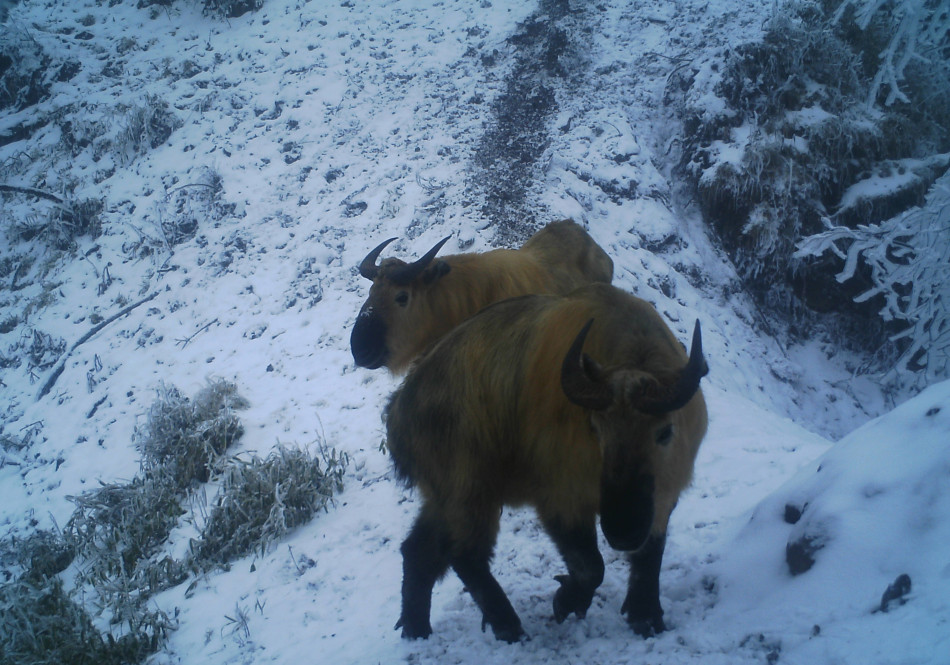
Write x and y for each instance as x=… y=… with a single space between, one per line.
x=496 y=609
x=585 y=568
x=642 y=604
x=424 y=560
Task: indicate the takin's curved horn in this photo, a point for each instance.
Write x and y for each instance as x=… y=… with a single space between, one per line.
x=406 y=274
x=686 y=384
x=368 y=267
x=590 y=392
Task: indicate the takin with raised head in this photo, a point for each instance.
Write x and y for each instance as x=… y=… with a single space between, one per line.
x=516 y=407
x=412 y=305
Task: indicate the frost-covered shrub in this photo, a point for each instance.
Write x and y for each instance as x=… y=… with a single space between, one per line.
x=898 y=37
x=24 y=71
x=262 y=499
x=41 y=623
x=145 y=127
x=183 y=438
x=808 y=128
x=908 y=258
x=231 y=8
x=58 y=222
x=118 y=527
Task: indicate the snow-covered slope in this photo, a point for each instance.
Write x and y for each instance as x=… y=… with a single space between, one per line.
x=303 y=134
x=811 y=566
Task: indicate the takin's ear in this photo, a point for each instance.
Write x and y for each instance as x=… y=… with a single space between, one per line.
x=435 y=271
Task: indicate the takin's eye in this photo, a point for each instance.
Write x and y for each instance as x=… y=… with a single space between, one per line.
x=402 y=298
x=664 y=435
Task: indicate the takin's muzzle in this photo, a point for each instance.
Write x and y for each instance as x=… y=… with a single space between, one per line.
x=626 y=512
x=368 y=340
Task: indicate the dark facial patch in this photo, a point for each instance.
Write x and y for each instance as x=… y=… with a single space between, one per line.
x=626 y=512
x=368 y=340
x=664 y=435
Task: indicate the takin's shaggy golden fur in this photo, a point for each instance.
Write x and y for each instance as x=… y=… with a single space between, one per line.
x=515 y=407
x=411 y=306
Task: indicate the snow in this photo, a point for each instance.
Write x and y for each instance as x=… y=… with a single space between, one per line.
x=312 y=111
x=880 y=499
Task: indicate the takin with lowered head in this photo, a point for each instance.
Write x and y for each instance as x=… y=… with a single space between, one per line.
x=412 y=305
x=516 y=407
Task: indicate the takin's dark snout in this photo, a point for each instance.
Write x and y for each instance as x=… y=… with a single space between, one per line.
x=412 y=305
x=626 y=512
x=368 y=339
x=506 y=410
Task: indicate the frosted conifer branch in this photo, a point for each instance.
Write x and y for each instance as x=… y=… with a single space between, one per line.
x=909 y=258
x=921 y=27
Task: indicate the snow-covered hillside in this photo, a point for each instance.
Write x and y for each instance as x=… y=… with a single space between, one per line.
x=246 y=167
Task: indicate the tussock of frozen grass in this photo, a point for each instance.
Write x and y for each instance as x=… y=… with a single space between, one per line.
x=57 y=221
x=183 y=437
x=230 y=8
x=146 y=127
x=41 y=554
x=262 y=499
x=40 y=624
x=118 y=527
x=119 y=530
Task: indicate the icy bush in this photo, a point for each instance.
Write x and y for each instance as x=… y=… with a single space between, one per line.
x=262 y=499
x=183 y=438
x=907 y=256
x=24 y=75
x=146 y=127
x=57 y=221
x=40 y=623
x=802 y=132
x=119 y=529
x=920 y=33
x=231 y=8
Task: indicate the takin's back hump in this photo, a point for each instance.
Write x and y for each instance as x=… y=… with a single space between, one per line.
x=570 y=255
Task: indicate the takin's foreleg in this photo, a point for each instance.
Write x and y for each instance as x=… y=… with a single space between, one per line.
x=425 y=559
x=585 y=567
x=642 y=604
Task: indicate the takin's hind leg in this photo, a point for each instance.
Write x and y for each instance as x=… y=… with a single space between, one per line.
x=470 y=559
x=425 y=558
x=496 y=609
x=585 y=567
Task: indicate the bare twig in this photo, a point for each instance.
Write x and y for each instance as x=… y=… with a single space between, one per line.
x=185 y=340
x=191 y=184
x=29 y=191
x=61 y=365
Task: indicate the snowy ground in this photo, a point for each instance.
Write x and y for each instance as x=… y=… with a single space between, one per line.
x=335 y=125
